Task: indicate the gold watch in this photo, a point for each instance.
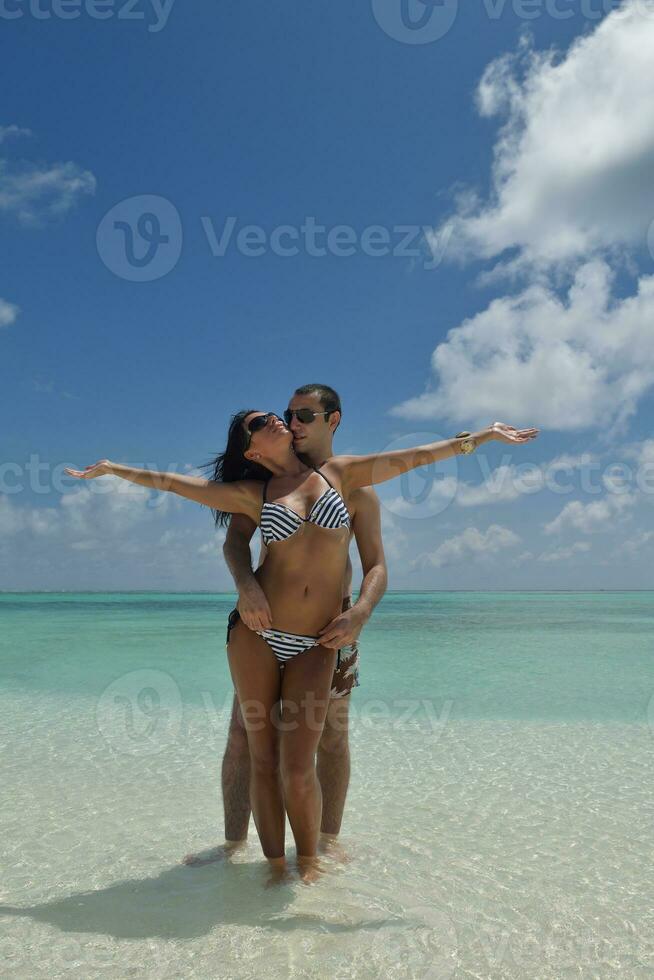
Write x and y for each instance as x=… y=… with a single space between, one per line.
x=468 y=446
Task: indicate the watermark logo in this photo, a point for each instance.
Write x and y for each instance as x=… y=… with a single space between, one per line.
x=140 y=239
x=426 y=21
x=140 y=713
x=415 y=21
x=424 y=491
x=430 y=938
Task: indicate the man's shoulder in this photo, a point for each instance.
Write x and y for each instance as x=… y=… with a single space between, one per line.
x=363 y=498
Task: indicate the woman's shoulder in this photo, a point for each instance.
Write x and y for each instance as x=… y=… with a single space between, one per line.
x=252 y=491
x=335 y=468
x=336 y=463
x=252 y=487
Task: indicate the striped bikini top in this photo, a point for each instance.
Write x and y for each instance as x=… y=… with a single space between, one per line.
x=278 y=522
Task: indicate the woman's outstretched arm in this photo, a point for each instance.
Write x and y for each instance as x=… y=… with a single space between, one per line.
x=365 y=471
x=240 y=497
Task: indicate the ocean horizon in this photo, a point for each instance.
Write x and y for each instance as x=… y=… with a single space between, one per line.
x=355 y=591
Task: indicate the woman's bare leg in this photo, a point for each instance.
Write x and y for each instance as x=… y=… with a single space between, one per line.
x=305 y=696
x=256 y=677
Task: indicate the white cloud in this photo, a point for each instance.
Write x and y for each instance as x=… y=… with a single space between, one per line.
x=394 y=539
x=571 y=191
x=111 y=532
x=8 y=313
x=597 y=516
x=642 y=452
x=13 y=132
x=111 y=509
x=37 y=521
x=536 y=359
x=35 y=191
x=213 y=548
x=88 y=517
x=11 y=519
x=471 y=542
x=503 y=484
x=562 y=554
x=49 y=388
x=568 y=461
x=635 y=543
x=573 y=160
x=441 y=492
x=395 y=542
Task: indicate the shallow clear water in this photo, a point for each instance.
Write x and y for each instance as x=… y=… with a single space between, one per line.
x=499 y=820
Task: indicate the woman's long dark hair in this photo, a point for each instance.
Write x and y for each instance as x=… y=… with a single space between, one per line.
x=232 y=465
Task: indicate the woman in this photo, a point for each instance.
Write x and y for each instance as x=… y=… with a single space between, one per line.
x=282 y=675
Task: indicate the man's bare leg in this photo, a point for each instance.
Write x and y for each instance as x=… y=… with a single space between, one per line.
x=236 y=779
x=333 y=768
x=236 y=793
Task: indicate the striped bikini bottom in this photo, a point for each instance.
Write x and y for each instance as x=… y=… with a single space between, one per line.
x=285 y=646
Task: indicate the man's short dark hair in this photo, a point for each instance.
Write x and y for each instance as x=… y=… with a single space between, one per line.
x=329 y=399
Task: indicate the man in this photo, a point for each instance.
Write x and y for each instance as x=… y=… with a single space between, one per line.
x=319 y=410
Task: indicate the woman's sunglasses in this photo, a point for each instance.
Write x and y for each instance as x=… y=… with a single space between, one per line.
x=303 y=415
x=260 y=422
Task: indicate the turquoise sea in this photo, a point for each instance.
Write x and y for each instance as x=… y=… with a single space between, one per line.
x=499 y=821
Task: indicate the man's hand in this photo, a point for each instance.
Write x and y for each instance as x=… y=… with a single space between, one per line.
x=343 y=630
x=509 y=433
x=253 y=607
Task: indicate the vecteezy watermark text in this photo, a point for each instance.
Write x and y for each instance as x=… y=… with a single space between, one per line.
x=317 y=240
x=154 y=12
x=140 y=239
x=423 y=492
x=142 y=713
x=426 y=21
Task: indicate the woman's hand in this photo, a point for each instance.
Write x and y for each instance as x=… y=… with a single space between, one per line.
x=509 y=433
x=101 y=468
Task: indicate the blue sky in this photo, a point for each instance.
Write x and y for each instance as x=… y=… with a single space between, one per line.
x=516 y=148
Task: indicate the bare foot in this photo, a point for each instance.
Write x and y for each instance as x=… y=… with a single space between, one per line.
x=223 y=852
x=330 y=846
x=278 y=872
x=309 y=869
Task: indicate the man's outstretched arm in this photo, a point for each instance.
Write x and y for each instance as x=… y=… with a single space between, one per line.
x=252 y=603
x=367 y=530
